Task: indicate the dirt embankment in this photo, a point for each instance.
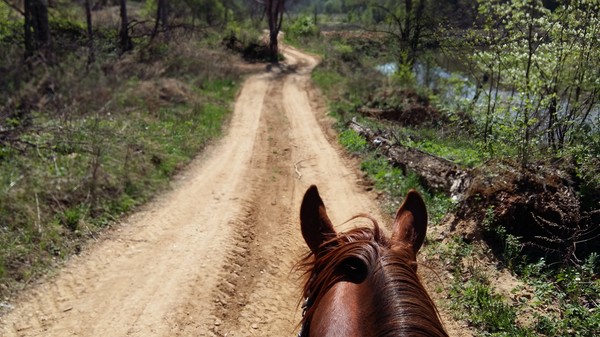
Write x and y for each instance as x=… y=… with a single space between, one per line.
x=214 y=256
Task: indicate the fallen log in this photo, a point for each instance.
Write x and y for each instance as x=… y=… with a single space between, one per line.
x=537 y=204
x=436 y=174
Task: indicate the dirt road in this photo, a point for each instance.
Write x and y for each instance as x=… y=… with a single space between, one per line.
x=214 y=256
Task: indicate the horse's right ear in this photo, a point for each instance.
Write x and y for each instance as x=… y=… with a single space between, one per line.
x=314 y=222
x=410 y=224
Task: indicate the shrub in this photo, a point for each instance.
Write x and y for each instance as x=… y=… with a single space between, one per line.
x=303 y=26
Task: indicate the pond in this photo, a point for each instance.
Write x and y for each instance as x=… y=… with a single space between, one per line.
x=454 y=86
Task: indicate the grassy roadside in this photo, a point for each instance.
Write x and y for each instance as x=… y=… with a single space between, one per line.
x=97 y=141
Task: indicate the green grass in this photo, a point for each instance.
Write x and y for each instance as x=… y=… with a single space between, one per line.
x=561 y=302
x=87 y=173
x=106 y=144
x=390 y=179
x=352 y=141
x=460 y=151
x=327 y=80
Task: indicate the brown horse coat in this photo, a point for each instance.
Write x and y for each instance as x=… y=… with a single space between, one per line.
x=361 y=283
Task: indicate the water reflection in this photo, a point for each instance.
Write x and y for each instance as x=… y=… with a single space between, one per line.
x=454 y=88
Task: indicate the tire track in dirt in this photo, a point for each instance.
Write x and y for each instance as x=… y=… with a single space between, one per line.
x=272 y=297
x=263 y=247
x=323 y=163
x=297 y=155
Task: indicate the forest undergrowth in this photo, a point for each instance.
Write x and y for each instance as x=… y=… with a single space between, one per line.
x=495 y=281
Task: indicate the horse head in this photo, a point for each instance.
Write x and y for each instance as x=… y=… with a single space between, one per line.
x=361 y=283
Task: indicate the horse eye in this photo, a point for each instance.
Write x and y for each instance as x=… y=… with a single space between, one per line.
x=354 y=270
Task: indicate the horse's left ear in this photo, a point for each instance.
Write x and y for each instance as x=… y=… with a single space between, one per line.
x=316 y=226
x=410 y=224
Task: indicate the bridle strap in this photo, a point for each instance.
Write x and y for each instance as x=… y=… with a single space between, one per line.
x=306 y=304
x=303 y=327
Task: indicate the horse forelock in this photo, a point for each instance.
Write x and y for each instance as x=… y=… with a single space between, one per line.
x=404 y=307
x=400 y=305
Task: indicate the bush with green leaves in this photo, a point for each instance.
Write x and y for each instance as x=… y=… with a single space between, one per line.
x=539 y=71
x=9 y=23
x=567 y=298
x=302 y=26
x=352 y=141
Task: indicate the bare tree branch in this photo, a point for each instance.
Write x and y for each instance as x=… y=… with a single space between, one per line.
x=14 y=6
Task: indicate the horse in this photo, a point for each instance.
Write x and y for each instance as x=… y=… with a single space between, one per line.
x=360 y=283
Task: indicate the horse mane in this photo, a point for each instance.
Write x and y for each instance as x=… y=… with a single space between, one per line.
x=366 y=255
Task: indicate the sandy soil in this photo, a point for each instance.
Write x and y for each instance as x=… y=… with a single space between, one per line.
x=214 y=256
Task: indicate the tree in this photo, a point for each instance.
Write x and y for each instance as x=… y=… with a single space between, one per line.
x=124 y=39
x=573 y=75
x=88 y=20
x=213 y=12
x=549 y=61
x=274 y=10
x=36 y=27
x=162 y=13
x=405 y=21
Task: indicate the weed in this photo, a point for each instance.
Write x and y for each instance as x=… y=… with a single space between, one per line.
x=564 y=300
x=460 y=151
x=455 y=251
x=508 y=245
x=567 y=296
x=325 y=79
x=352 y=141
x=396 y=183
x=301 y=27
x=71 y=217
x=472 y=295
x=486 y=310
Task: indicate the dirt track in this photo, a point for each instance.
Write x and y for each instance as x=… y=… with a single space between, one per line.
x=213 y=257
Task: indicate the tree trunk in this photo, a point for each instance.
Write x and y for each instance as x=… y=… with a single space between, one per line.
x=162 y=13
x=489 y=113
x=41 y=25
x=435 y=173
x=125 y=40
x=88 y=20
x=405 y=31
x=415 y=39
x=552 y=120
x=37 y=28
x=27 y=29
x=274 y=10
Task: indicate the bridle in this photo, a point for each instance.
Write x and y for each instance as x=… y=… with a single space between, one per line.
x=304 y=327
x=306 y=305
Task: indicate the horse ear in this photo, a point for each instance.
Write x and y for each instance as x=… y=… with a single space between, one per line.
x=410 y=224
x=315 y=224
